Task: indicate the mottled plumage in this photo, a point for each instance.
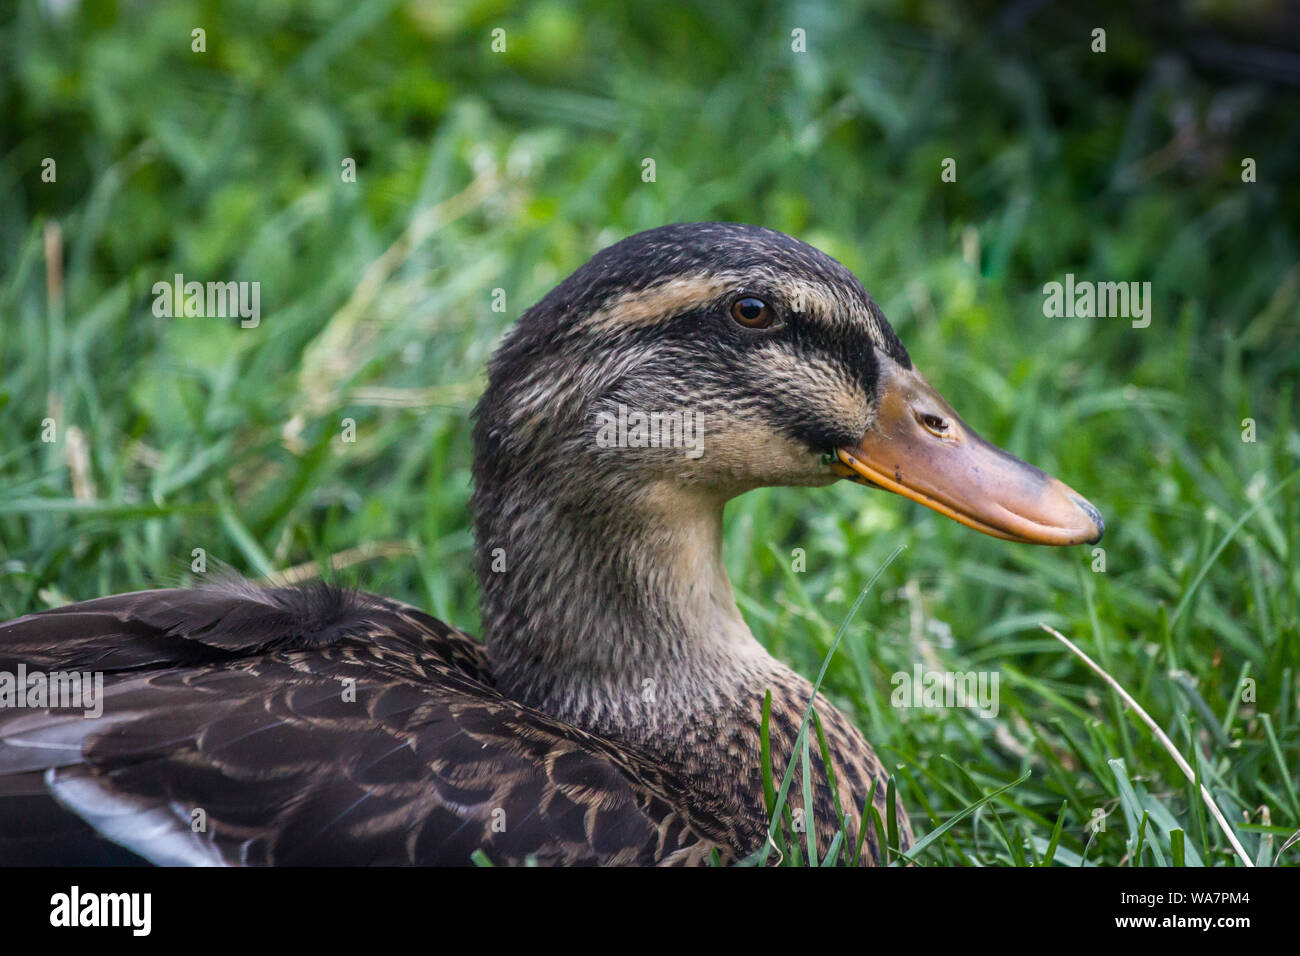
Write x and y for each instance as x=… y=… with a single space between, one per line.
x=234 y=702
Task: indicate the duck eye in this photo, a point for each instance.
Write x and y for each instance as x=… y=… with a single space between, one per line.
x=752 y=313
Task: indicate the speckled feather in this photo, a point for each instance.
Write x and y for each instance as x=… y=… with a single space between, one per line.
x=231 y=700
x=202 y=715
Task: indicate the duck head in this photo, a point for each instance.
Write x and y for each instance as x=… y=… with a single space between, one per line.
x=725 y=357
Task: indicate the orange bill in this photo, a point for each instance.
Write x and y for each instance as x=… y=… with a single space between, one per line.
x=919 y=448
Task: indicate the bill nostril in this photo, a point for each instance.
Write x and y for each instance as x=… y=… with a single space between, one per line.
x=937 y=424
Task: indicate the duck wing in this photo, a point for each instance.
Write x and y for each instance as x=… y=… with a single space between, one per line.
x=242 y=725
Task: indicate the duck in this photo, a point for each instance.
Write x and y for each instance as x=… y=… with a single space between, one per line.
x=617 y=708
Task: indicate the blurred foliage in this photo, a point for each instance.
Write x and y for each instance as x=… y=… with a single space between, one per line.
x=479 y=170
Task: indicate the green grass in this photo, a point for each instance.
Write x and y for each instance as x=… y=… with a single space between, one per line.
x=479 y=171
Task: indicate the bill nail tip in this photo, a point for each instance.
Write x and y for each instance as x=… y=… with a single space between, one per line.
x=1098 y=522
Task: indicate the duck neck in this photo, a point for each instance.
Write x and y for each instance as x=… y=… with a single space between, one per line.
x=611 y=608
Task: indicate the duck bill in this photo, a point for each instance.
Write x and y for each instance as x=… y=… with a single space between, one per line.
x=920 y=448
